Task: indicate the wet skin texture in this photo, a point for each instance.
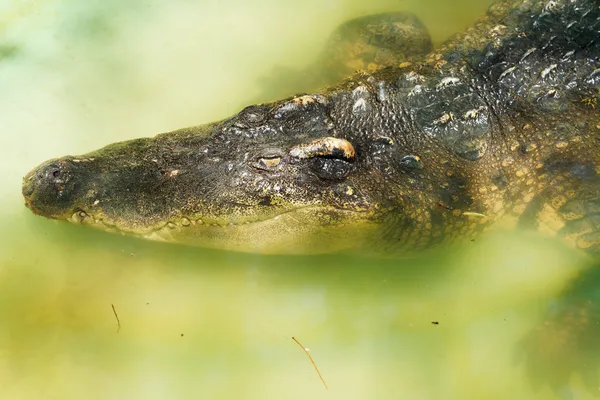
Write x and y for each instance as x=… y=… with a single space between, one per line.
x=500 y=123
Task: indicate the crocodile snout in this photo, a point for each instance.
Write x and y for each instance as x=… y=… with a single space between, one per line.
x=47 y=188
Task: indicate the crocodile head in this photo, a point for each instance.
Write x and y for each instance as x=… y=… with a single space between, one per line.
x=273 y=179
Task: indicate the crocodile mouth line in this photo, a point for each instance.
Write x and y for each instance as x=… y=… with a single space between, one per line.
x=82 y=217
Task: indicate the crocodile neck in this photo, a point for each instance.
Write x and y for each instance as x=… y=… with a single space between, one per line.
x=485 y=115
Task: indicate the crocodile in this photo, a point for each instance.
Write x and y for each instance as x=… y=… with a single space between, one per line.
x=498 y=125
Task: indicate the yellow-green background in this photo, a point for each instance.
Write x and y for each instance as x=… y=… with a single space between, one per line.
x=198 y=324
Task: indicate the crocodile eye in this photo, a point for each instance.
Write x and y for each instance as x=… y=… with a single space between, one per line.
x=268 y=163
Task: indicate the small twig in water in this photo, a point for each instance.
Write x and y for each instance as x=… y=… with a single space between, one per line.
x=117 y=317
x=311 y=360
x=444 y=206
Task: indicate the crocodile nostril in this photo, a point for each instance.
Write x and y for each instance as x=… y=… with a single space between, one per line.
x=49 y=188
x=51 y=172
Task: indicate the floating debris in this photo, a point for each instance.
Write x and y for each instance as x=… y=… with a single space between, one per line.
x=444 y=206
x=117 y=317
x=306 y=350
x=474 y=214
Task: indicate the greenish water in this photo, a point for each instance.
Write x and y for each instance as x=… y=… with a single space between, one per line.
x=218 y=325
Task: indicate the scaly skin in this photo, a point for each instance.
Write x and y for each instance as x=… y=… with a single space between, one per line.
x=499 y=124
